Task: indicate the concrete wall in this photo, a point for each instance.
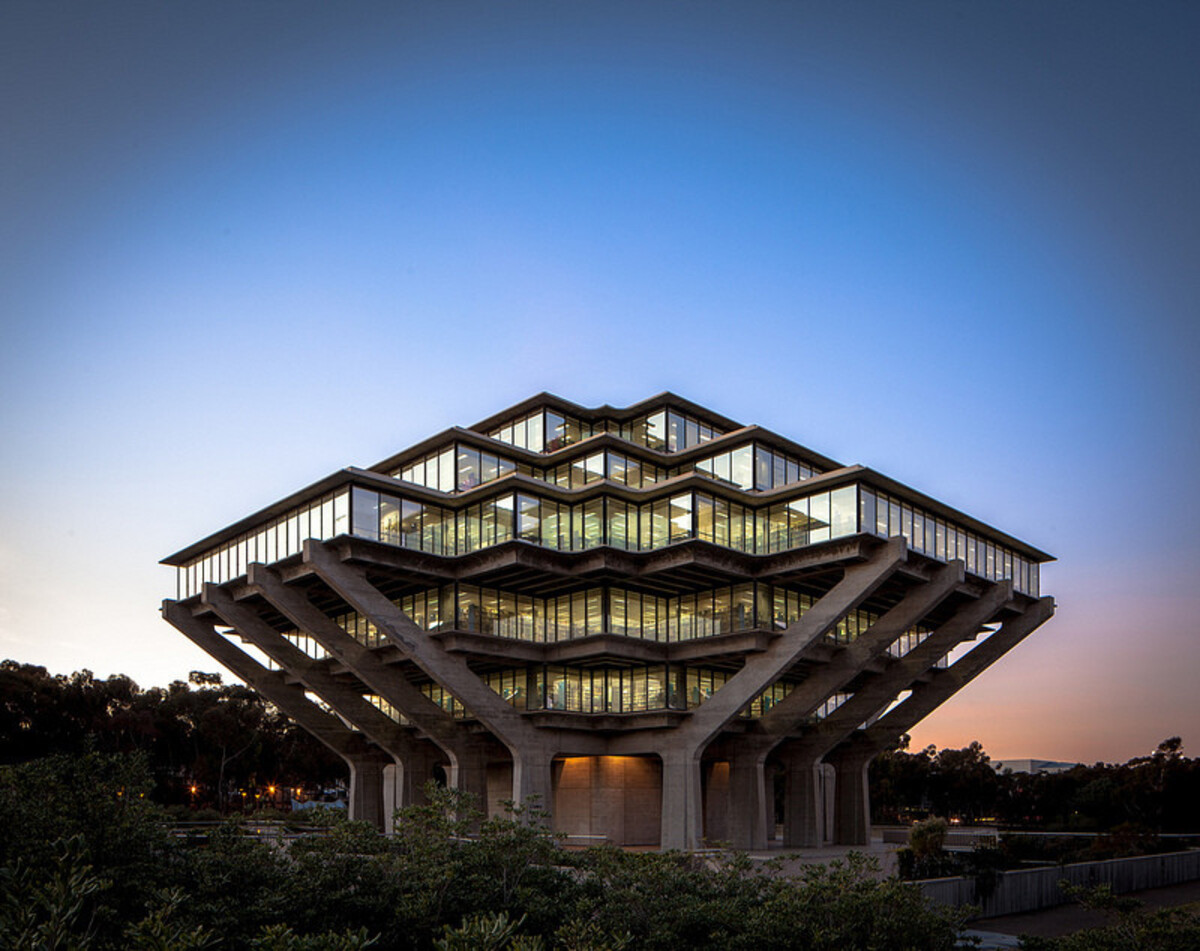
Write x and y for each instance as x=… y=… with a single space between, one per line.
x=499 y=788
x=1030 y=889
x=616 y=798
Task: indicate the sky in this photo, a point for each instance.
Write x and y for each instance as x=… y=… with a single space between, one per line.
x=243 y=245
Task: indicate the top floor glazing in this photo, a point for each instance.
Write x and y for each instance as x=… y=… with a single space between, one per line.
x=523 y=512
x=547 y=430
x=461 y=467
x=807 y=519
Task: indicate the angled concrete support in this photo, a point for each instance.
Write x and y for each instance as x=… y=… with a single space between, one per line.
x=365 y=763
x=763 y=669
x=797 y=706
x=532 y=750
x=927 y=697
x=426 y=715
x=803 y=823
x=447 y=669
x=903 y=672
x=682 y=814
x=347 y=702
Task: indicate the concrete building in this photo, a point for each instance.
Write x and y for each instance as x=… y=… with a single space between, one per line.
x=672 y=628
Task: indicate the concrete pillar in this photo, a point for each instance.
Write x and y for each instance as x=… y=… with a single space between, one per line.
x=803 y=821
x=752 y=802
x=367 y=793
x=682 y=801
x=852 y=803
x=469 y=773
x=533 y=786
x=718 y=805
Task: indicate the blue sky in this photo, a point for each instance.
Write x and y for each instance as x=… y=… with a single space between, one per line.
x=243 y=245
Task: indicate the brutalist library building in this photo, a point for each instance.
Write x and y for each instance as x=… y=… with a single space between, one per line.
x=671 y=628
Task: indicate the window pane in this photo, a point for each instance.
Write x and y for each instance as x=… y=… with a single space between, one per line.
x=681 y=517
x=535 y=433
x=504 y=518
x=555 y=431
x=469 y=469
x=366 y=513
x=529 y=518
x=742 y=467
x=763 y=461
x=389 y=520
x=818 y=517
x=446 y=471
x=844 y=512
x=656 y=431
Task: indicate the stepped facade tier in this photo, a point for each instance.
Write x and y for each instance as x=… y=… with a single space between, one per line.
x=670 y=628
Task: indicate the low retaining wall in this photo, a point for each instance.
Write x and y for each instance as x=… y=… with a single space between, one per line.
x=1033 y=888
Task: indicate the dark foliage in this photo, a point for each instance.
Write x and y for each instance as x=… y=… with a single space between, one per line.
x=220 y=740
x=1155 y=793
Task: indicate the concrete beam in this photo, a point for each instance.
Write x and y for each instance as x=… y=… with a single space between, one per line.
x=927 y=697
x=382 y=679
x=903 y=672
x=761 y=670
x=347 y=702
x=681 y=750
x=367 y=765
x=797 y=706
x=532 y=750
x=270 y=683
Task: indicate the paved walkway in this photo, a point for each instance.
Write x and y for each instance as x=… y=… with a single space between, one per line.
x=1067 y=919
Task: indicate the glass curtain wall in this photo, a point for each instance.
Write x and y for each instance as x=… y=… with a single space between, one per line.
x=459 y=468
x=755 y=468
x=542 y=431
x=668 y=431
x=886 y=516
x=807 y=520
x=322 y=518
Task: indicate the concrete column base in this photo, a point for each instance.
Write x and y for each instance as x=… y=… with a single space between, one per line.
x=682 y=801
x=803 y=811
x=368 y=788
x=752 y=805
x=852 y=804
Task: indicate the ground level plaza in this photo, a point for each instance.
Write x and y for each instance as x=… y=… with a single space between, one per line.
x=670 y=628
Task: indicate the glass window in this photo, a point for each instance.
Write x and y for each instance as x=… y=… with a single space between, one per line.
x=366 y=513
x=656 y=431
x=818 y=518
x=593 y=523
x=389 y=520
x=594 y=467
x=843 y=512
x=550 y=526
x=504 y=518
x=681 y=517
x=723 y=466
x=777 y=527
x=704 y=518
x=469 y=468
x=529 y=518
x=676 y=435
x=763 y=461
x=742 y=462
x=535 y=438
x=556 y=434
